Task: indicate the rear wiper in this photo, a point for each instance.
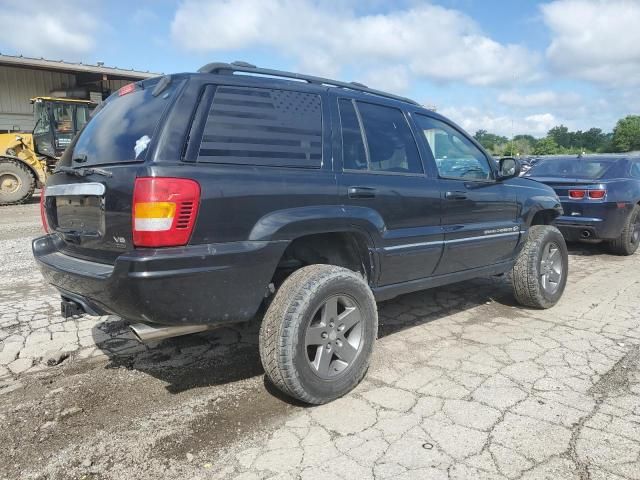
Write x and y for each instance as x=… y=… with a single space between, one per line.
x=83 y=171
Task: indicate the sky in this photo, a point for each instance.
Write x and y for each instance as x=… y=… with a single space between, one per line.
x=509 y=67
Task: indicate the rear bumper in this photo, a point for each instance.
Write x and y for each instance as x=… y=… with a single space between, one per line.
x=200 y=284
x=602 y=221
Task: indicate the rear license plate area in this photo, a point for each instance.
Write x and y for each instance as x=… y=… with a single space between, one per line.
x=79 y=214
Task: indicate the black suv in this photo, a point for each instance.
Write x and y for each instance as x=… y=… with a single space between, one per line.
x=194 y=200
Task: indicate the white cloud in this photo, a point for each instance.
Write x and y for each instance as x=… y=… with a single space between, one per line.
x=473 y=119
x=425 y=40
x=545 y=98
x=395 y=78
x=62 y=29
x=595 y=40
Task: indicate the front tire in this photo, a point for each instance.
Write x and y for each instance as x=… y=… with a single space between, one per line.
x=629 y=239
x=318 y=333
x=17 y=183
x=540 y=272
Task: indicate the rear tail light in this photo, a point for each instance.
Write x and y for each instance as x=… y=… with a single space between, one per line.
x=164 y=211
x=43 y=212
x=597 y=194
x=577 y=194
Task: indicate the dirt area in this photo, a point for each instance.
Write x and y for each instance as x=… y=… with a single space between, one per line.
x=463 y=384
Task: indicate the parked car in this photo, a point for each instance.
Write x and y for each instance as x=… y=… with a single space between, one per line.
x=527 y=163
x=200 y=199
x=600 y=195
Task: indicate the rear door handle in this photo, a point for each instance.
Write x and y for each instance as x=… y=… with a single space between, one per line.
x=361 y=192
x=455 y=195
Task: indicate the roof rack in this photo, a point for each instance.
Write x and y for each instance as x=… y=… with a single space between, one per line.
x=238 y=66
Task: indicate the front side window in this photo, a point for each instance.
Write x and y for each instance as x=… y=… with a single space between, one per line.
x=455 y=155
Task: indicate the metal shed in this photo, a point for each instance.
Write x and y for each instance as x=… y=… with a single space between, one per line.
x=22 y=78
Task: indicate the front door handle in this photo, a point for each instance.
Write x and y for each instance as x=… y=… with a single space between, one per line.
x=455 y=195
x=361 y=192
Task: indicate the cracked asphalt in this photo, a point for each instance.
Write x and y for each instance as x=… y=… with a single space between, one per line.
x=463 y=384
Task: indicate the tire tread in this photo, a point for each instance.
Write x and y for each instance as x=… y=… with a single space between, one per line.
x=28 y=174
x=279 y=327
x=526 y=285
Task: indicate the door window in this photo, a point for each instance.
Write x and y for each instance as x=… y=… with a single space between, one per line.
x=82 y=116
x=392 y=147
x=42 y=119
x=455 y=155
x=378 y=140
x=354 y=155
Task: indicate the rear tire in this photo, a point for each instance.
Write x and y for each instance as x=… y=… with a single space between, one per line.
x=318 y=333
x=17 y=183
x=540 y=272
x=629 y=239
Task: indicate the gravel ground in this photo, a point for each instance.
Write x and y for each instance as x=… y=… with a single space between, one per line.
x=463 y=385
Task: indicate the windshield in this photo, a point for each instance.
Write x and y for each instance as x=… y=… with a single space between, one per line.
x=123 y=127
x=570 y=168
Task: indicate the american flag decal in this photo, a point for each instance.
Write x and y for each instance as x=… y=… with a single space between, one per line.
x=260 y=126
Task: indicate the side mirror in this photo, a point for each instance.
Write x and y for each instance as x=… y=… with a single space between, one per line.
x=509 y=167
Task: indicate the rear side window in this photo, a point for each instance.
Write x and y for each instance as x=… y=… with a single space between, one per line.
x=261 y=126
x=635 y=170
x=390 y=146
x=123 y=127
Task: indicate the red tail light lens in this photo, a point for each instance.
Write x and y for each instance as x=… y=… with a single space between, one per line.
x=164 y=211
x=43 y=213
x=128 y=88
x=597 y=194
x=577 y=194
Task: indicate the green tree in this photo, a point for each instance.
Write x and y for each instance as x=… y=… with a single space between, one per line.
x=593 y=139
x=626 y=135
x=546 y=146
x=561 y=136
x=490 y=141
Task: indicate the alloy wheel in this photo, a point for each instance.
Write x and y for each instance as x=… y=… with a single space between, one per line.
x=551 y=268
x=333 y=338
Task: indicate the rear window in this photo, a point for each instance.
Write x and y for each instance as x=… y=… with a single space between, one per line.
x=123 y=127
x=262 y=126
x=570 y=168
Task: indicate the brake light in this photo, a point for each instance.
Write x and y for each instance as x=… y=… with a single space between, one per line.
x=43 y=212
x=597 y=194
x=128 y=88
x=164 y=211
x=577 y=194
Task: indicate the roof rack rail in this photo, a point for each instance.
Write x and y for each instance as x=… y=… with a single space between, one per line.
x=238 y=66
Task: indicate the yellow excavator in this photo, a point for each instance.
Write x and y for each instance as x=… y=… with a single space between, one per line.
x=27 y=158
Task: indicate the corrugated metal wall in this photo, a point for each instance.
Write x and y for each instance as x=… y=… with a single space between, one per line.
x=18 y=85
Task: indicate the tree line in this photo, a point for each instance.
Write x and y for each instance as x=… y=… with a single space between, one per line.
x=560 y=140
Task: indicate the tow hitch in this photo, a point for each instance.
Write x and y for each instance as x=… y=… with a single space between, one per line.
x=69 y=308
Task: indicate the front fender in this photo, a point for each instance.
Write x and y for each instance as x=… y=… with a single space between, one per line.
x=537 y=203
